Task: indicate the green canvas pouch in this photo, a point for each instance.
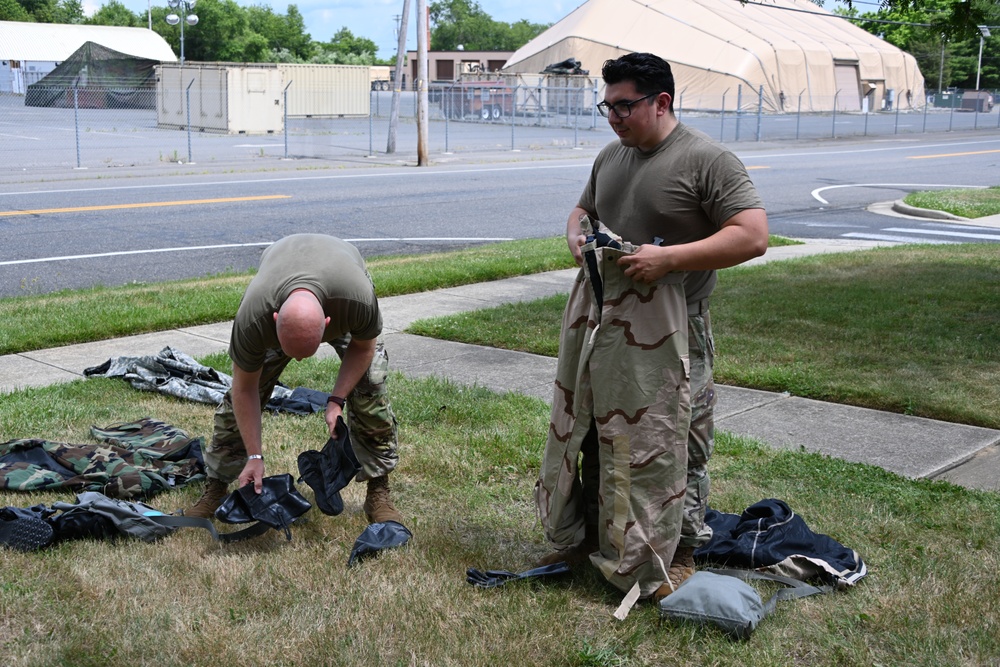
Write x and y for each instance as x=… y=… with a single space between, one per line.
x=721 y=598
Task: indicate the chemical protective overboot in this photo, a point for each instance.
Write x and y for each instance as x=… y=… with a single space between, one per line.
x=215 y=492
x=681 y=568
x=574 y=556
x=378 y=505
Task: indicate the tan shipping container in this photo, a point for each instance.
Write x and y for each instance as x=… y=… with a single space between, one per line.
x=327 y=90
x=223 y=97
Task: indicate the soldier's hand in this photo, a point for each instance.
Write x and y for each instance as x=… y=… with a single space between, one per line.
x=332 y=412
x=575 y=241
x=647 y=265
x=253 y=471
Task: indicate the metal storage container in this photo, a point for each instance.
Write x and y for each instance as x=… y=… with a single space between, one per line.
x=220 y=97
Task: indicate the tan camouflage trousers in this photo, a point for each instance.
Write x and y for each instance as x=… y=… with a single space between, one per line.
x=624 y=368
x=368 y=412
x=701 y=436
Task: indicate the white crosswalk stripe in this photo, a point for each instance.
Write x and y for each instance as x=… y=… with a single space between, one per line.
x=896 y=239
x=943 y=232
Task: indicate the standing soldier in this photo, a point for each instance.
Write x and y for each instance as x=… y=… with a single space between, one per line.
x=664 y=208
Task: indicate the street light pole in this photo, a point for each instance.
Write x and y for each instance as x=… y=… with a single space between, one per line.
x=984 y=32
x=191 y=19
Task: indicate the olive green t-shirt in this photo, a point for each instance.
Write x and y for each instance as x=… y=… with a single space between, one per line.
x=681 y=191
x=330 y=268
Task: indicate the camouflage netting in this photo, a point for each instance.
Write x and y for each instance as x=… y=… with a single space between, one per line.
x=102 y=79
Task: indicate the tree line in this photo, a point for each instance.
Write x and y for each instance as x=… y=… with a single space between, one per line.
x=228 y=32
x=942 y=35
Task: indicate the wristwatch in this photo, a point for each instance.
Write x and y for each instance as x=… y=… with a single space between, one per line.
x=338 y=400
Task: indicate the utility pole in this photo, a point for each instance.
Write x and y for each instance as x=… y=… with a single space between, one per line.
x=397 y=79
x=423 y=37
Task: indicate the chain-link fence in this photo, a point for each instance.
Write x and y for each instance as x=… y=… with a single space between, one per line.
x=211 y=122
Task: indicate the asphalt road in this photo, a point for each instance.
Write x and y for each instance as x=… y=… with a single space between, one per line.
x=129 y=227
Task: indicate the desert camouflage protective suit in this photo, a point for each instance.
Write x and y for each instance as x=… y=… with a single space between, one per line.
x=642 y=416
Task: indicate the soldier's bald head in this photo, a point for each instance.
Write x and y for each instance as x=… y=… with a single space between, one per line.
x=300 y=323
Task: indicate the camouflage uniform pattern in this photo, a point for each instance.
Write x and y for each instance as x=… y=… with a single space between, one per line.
x=701 y=437
x=368 y=412
x=152 y=458
x=623 y=365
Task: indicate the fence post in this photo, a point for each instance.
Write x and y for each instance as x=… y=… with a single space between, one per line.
x=722 y=118
x=447 y=108
x=926 y=106
x=593 y=110
x=833 y=133
x=576 y=124
x=739 y=109
x=895 y=129
x=513 y=116
x=76 y=124
x=760 y=109
x=951 y=112
x=371 y=127
x=187 y=102
x=798 y=117
x=285 y=94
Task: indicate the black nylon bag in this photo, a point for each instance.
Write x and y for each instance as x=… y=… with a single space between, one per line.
x=277 y=505
x=330 y=470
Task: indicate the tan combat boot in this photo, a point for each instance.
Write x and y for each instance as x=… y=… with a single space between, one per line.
x=378 y=505
x=215 y=492
x=681 y=568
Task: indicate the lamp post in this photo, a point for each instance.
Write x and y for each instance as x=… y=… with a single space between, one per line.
x=186 y=7
x=984 y=32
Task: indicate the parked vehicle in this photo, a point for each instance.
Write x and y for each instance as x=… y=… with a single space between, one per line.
x=487 y=100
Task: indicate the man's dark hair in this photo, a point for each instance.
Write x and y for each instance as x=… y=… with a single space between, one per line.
x=649 y=73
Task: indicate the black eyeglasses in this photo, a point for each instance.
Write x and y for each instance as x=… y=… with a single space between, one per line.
x=622 y=109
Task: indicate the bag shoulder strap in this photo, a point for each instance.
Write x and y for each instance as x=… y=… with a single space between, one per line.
x=797 y=587
x=258 y=528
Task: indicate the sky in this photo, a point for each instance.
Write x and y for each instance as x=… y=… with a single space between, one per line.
x=376 y=19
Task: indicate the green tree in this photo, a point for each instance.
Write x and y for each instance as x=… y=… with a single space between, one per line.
x=345 y=48
x=917 y=29
x=11 y=10
x=69 y=11
x=956 y=19
x=115 y=13
x=463 y=22
x=284 y=33
x=42 y=11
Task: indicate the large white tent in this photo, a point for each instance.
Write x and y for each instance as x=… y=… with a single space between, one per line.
x=793 y=54
x=29 y=51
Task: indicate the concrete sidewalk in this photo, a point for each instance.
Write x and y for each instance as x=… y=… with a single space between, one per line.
x=911 y=446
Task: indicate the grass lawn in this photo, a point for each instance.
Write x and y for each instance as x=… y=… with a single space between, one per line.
x=468 y=462
x=966 y=203
x=911 y=329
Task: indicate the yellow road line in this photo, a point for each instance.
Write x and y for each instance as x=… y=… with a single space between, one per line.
x=110 y=207
x=927 y=157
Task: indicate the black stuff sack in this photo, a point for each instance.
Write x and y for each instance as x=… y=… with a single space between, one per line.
x=377 y=537
x=720 y=598
x=277 y=505
x=330 y=470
